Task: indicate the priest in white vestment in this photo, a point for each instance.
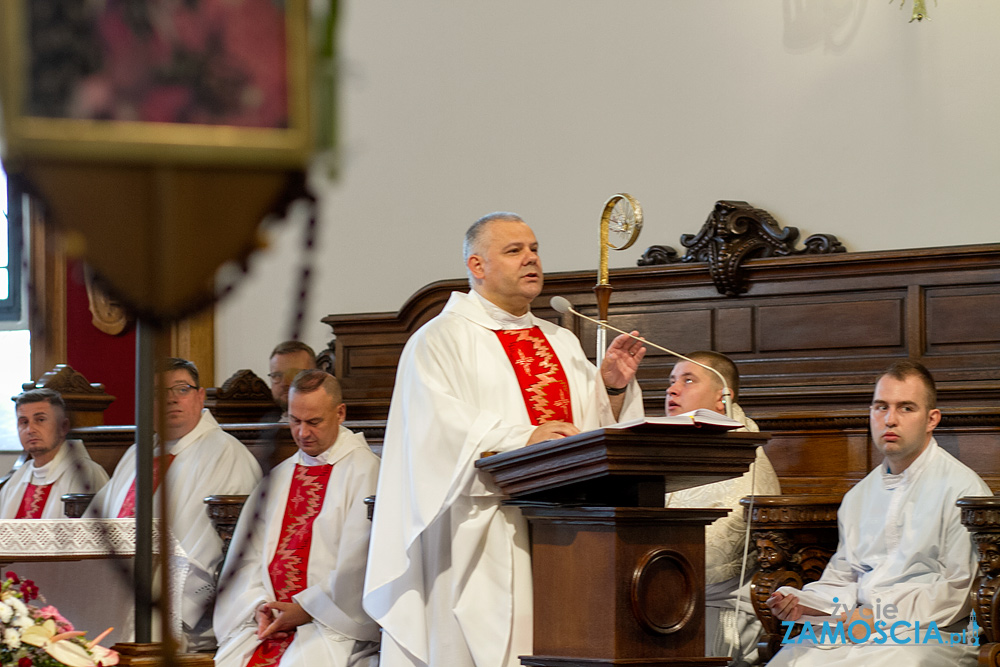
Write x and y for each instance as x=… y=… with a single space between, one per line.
x=203 y=460
x=729 y=630
x=290 y=591
x=57 y=466
x=449 y=572
x=904 y=556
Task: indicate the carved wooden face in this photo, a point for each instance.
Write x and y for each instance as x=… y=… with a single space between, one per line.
x=769 y=555
x=989 y=558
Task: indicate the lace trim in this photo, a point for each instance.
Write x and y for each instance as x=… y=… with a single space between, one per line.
x=48 y=540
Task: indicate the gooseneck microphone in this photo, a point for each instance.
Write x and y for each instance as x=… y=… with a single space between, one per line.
x=562 y=305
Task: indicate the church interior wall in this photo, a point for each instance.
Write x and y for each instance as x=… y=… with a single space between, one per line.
x=836 y=116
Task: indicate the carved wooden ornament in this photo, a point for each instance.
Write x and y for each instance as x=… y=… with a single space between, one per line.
x=735 y=232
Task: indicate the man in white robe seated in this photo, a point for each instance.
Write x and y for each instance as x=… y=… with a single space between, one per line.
x=57 y=466
x=290 y=592
x=286 y=361
x=203 y=461
x=449 y=572
x=728 y=631
x=904 y=556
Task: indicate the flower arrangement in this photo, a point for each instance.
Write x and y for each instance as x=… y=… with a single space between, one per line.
x=33 y=636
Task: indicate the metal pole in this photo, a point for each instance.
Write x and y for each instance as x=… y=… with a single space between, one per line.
x=145 y=344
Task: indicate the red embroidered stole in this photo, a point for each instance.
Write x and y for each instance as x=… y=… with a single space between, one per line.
x=290 y=564
x=33 y=501
x=540 y=375
x=128 y=505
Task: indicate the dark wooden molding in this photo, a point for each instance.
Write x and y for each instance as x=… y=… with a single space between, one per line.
x=734 y=233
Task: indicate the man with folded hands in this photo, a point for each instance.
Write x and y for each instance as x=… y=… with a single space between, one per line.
x=290 y=592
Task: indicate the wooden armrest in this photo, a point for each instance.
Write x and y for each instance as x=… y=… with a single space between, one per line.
x=75 y=504
x=795 y=536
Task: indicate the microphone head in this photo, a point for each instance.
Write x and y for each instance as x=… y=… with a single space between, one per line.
x=560 y=304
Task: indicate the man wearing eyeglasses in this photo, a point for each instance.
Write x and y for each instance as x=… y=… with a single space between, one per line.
x=287 y=360
x=203 y=460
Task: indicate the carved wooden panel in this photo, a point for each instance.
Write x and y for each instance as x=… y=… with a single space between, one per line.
x=795 y=536
x=242 y=398
x=981 y=515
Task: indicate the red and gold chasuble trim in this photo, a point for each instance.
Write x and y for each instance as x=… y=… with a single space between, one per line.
x=289 y=566
x=540 y=375
x=33 y=501
x=128 y=505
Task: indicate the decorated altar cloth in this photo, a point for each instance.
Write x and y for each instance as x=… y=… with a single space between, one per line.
x=84 y=568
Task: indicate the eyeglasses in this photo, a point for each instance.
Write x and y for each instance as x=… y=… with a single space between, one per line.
x=177 y=390
x=277 y=376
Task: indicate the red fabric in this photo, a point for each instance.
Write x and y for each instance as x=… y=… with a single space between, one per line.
x=540 y=375
x=100 y=357
x=33 y=501
x=128 y=505
x=290 y=564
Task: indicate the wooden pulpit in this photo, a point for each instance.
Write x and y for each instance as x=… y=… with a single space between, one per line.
x=618 y=579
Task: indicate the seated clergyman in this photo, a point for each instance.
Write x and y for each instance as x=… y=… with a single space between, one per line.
x=904 y=560
x=290 y=591
x=726 y=630
x=57 y=466
x=202 y=460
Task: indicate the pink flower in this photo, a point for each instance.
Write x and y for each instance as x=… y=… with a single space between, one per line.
x=50 y=612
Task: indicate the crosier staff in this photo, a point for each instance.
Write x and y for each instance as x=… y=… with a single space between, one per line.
x=621 y=222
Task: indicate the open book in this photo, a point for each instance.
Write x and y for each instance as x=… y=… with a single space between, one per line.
x=697 y=418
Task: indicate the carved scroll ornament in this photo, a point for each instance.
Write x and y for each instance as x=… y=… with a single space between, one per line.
x=735 y=232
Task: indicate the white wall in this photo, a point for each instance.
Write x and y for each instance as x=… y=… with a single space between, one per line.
x=836 y=116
